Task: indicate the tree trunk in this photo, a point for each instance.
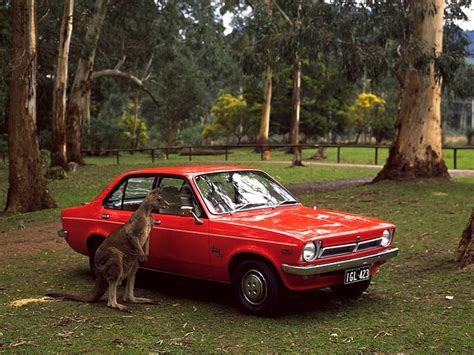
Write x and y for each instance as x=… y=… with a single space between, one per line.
x=79 y=101
x=417 y=149
x=267 y=104
x=465 y=252
x=58 y=147
x=267 y=96
x=27 y=189
x=295 y=113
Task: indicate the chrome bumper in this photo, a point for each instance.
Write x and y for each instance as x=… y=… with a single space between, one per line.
x=62 y=233
x=339 y=265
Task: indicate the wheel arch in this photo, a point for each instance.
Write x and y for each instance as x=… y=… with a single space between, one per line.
x=240 y=256
x=94 y=241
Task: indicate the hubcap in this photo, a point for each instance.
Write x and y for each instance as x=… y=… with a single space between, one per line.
x=254 y=287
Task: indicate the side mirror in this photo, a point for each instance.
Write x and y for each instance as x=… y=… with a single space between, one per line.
x=188 y=211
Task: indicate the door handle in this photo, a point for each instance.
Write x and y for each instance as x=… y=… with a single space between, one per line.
x=157 y=222
x=105 y=216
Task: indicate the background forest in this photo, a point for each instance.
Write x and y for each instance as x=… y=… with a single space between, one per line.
x=206 y=81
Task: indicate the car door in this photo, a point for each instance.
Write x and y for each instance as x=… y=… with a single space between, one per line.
x=123 y=200
x=179 y=243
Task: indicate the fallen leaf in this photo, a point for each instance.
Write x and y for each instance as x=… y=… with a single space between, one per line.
x=24 y=301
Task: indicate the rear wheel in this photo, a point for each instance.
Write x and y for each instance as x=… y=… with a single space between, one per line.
x=351 y=291
x=257 y=287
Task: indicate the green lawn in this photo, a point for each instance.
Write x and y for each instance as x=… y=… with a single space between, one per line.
x=405 y=310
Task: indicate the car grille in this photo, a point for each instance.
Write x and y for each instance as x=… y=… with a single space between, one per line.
x=350 y=248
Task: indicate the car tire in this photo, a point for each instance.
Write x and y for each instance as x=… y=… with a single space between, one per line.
x=257 y=287
x=351 y=291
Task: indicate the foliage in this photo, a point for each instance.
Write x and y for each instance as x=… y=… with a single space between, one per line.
x=134 y=128
x=232 y=116
x=366 y=112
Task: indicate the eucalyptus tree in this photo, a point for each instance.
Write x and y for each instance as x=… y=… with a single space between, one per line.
x=27 y=188
x=58 y=141
x=404 y=39
x=79 y=99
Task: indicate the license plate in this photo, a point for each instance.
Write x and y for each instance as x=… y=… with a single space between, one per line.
x=355 y=275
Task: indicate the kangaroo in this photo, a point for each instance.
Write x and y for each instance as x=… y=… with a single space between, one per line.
x=118 y=257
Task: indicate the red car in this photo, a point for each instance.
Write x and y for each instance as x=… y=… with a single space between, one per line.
x=238 y=225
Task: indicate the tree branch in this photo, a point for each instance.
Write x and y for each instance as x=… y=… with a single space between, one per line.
x=117 y=73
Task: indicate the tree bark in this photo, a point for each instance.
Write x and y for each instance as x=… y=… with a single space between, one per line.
x=267 y=96
x=27 y=189
x=266 y=109
x=79 y=108
x=465 y=252
x=58 y=147
x=295 y=112
x=417 y=149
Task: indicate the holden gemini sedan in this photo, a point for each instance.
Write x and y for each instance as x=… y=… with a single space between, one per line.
x=238 y=226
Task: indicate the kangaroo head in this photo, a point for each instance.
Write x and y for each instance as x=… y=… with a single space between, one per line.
x=155 y=200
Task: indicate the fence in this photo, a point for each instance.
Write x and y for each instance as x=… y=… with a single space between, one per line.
x=191 y=151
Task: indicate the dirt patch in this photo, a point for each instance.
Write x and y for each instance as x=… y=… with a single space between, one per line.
x=33 y=238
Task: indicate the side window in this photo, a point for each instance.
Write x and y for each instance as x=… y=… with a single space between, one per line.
x=178 y=193
x=130 y=194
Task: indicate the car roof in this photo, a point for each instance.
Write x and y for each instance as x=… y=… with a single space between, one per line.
x=189 y=170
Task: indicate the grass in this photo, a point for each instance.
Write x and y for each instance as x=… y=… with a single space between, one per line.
x=405 y=310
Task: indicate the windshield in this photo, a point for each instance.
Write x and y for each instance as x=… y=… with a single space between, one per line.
x=233 y=191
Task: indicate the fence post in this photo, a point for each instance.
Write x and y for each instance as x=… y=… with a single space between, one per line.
x=117 y=153
x=152 y=155
x=262 y=157
x=338 y=154
x=455 y=158
x=226 y=153
x=376 y=155
x=166 y=154
x=190 y=153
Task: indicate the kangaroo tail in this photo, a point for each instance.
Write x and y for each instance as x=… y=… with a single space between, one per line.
x=92 y=296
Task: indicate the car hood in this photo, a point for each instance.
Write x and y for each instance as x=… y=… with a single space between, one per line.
x=306 y=223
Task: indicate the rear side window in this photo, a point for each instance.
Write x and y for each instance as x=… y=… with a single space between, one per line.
x=130 y=193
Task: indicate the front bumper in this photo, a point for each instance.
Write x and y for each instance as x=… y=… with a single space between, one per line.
x=339 y=265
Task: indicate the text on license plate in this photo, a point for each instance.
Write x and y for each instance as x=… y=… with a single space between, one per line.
x=358 y=274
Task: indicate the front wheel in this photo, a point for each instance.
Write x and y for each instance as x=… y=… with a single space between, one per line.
x=351 y=291
x=257 y=287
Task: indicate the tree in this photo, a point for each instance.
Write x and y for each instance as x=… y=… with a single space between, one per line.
x=231 y=117
x=417 y=148
x=135 y=129
x=79 y=100
x=27 y=189
x=267 y=93
x=58 y=144
x=365 y=112
x=465 y=252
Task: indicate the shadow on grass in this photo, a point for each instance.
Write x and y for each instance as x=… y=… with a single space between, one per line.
x=173 y=288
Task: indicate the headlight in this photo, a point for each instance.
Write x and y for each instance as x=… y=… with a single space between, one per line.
x=311 y=251
x=386 y=237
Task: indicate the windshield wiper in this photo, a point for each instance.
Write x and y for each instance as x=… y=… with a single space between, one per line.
x=248 y=205
x=285 y=202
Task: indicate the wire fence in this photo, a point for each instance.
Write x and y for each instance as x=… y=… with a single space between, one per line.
x=265 y=152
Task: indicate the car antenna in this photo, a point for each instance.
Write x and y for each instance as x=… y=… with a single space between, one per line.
x=312 y=185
